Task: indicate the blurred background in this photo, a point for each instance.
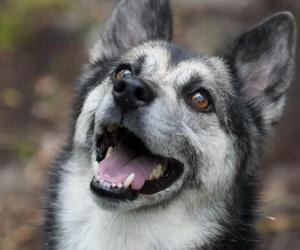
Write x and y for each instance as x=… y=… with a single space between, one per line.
x=43 y=44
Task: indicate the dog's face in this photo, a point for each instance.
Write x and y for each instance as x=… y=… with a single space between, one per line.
x=155 y=120
x=180 y=135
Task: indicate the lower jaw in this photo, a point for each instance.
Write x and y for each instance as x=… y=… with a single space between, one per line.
x=172 y=174
x=139 y=202
x=112 y=193
x=149 y=187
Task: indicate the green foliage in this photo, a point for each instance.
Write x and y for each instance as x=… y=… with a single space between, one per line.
x=25 y=149
x=11 y=97
x=18 y=18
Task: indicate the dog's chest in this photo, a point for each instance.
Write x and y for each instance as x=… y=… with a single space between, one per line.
x=118 y=233
x=84 y=226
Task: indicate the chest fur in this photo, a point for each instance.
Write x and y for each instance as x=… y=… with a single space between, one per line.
x=85 y=226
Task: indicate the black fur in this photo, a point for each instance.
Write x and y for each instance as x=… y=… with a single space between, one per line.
x=51 y=229
x=271 y=44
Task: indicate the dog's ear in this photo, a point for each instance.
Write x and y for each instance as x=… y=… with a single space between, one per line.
x=133 y=22
x=263 y=61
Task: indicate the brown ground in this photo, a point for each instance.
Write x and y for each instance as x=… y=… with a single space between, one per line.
x=37 y=74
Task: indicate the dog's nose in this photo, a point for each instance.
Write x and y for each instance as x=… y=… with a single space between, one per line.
x=131 y=93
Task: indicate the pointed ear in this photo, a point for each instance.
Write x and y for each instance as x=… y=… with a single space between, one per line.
x=263 y=61
x=133 y=22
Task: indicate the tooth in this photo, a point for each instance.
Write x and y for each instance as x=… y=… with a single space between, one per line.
x=113 y=185
x=112 y=128
x=101 y=181
x=157 y=174
x=120 y=185
x=129 y=180
x=151 y=177
x=153 y=174
x=97 y=177
x=157 y=171
x=109 y=152
x=107 y=184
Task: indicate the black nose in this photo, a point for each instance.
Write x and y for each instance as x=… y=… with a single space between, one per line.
x=131 y=93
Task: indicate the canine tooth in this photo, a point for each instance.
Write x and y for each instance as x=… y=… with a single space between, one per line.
x=109 y=152
x=157 y=171
x=159 y=168
x=154 y=173
x=151 y=177
x=129 y=180
x=97 y=178
x=112 y=128
x=119 y=185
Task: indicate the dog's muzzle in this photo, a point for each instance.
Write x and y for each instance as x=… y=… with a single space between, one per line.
x=126 y=167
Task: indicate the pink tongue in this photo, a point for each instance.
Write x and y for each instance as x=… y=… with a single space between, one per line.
x=124 y=162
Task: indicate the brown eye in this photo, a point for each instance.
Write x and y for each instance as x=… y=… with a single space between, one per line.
x=200 y=100
x=121 y=74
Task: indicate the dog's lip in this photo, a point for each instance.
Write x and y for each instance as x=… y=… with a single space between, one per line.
x=104 y=191
x=175 y=170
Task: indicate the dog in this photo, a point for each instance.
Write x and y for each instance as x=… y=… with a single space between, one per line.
x=165 y=144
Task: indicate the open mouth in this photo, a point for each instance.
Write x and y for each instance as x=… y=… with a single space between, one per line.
x=126 y=167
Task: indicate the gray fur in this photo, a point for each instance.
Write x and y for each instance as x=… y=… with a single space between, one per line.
x=132 y=23
x=263 y=59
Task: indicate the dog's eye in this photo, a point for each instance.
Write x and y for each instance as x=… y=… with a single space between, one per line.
x=122 y=73
x=200 y=100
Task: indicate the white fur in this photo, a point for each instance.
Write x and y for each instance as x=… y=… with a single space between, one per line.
x=219 y=165
x=97 y=51
x=185 y=223
x=156 y=61
x=89 y=108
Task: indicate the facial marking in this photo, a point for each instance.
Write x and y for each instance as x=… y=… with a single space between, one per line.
x=156 y=60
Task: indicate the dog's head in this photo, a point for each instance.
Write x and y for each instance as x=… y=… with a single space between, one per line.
x=153 y=120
